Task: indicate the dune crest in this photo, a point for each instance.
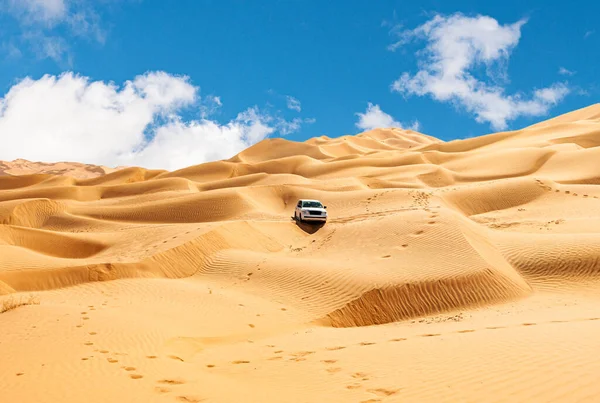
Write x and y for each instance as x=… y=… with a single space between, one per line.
x=435 y=255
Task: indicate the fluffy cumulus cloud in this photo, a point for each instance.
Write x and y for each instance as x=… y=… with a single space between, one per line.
x=458 y=45
x=374 y=118
x=70 y=118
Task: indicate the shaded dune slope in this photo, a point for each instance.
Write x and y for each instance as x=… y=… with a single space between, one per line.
x=417 y=226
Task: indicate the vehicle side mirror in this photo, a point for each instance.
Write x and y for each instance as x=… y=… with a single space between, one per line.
x=324 y=206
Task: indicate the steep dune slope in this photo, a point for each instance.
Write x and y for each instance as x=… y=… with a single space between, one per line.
x=164 y=282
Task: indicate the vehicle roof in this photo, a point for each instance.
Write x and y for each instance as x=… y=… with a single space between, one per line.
x=310 y=200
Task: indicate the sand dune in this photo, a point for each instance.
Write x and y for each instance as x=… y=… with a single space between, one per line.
x=73 y=169
x=448 y=271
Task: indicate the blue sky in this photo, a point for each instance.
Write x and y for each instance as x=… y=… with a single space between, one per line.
x=215 y=76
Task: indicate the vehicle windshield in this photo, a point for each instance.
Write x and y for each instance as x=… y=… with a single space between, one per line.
x=314 y=204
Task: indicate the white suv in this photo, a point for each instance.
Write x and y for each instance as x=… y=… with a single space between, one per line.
x=310 y=210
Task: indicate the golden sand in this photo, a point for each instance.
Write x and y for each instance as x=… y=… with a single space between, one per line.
x=448 y=271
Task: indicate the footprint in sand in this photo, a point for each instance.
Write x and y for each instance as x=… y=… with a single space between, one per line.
x=366 y=343
x=333 y=370
x=174 y=357
x=171 y=381
x=189 y=399
x=430 y=335
x=112 y=360
x=20 y=373
x=104 y=351
x=89 y=343
x=419 y=232
x=129 y=369
x=528 y=324
x=161 y=389
x=383 y=392
x=136 y=376
x=360 y=375
x=151 y=357
x=329 y=361
x=335 y=348
x=92 y=333
x=210 y=365
x=240 y=362
x=277 y=357
x=466 y=331
x=302 y=353
x=85 y=318
x=386 y=256
x=354 y=386
x=398 y=339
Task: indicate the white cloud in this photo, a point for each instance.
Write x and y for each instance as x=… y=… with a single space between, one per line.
x=456 y=46
x=46 y=25
x=589 y=33
x=70 y=118
x=48 y=12
x=48 y=47
x=563 y=71
x=293 y=103
x=288 y=127
x=210 y=105
x=179 y=144
x=375 y=118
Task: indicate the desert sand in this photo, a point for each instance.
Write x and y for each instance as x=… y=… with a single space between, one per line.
x=462 y=271
x=74 y=169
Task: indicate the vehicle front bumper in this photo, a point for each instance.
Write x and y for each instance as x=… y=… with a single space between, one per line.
x=314 y=217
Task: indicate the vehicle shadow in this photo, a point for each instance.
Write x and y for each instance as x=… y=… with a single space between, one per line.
x=309 y=227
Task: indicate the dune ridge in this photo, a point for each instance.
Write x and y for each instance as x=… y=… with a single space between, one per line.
x=207 y=263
